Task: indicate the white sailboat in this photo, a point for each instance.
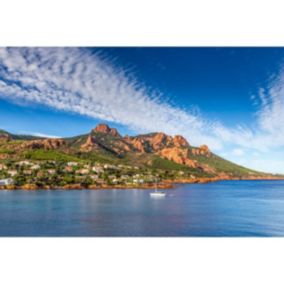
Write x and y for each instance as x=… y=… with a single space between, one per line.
x=157 y=193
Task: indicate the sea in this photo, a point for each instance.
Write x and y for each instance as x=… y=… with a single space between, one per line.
x=219 y=209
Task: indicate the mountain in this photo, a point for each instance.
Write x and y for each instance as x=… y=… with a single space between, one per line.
x=155 y=151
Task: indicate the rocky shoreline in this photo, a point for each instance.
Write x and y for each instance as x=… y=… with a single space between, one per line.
x=215 y=179
x=166 y=184
x=162 y=185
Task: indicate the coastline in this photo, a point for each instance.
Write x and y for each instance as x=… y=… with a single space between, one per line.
x=165 y=184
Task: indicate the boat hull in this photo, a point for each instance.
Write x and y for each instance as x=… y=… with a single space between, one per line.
x=157 y=194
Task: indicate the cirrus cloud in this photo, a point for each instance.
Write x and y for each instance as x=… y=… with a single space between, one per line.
x=76 y=80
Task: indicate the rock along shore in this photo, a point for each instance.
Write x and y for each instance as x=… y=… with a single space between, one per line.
x=166 y=184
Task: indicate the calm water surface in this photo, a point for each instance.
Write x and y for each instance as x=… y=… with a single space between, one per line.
x=228 y=208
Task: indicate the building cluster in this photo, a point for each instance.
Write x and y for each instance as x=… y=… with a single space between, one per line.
x=60 y=173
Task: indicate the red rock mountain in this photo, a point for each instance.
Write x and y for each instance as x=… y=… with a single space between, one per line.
x=104 y=128
x=180 y=141
x=105 y=144
x=176 y=148
x=102 y=137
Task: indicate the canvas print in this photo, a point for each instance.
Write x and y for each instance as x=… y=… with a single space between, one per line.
x=183 y=142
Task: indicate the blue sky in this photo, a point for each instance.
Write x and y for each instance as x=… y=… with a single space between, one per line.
x=228 y=98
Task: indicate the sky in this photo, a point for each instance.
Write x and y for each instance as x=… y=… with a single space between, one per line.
x=231 y=99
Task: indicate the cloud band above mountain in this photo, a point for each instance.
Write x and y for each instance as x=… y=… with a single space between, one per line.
x=74 y=79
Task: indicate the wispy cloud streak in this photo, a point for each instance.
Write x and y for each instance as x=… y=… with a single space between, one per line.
x=74 y=79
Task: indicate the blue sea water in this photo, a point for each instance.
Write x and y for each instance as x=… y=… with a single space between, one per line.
x=227 y=208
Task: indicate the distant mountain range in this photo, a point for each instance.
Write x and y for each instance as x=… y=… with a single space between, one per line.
x=105 y=144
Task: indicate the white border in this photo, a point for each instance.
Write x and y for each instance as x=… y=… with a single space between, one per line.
x=141 y=23
x=141 y=260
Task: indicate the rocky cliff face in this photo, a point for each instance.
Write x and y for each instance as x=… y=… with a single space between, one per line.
x=178 y=155
x=104 y=128
x=46 y=144
x=160 y=141
x=202 y=150
x=156 y=141
x=104 y=137
x=182 y=156
x=176 y=148
x=180 y=141
x=140 y=145
x=89 y=145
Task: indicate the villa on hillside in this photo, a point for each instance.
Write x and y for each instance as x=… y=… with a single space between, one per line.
x=25 y=163
x=7 y=181
x=12 y=172
x=72 y=164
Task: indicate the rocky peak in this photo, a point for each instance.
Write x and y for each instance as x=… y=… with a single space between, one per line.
x=104 y=128
x=90 y=144
x=160 y=140
x=176 y=154
x=156 y=142
x=180 y=141
x=150 y=143
x=137 y=142
x=202 y=150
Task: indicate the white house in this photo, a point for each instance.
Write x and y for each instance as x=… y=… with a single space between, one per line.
x=6 y=181
x=12 y=173
x=35 y=167
x=136 y=180
x=72 y=164
x=24 y=163
x=82 y=171
x=107 y=166
x=97 y=169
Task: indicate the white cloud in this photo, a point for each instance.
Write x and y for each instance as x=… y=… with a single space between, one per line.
x=238 y=152
x=263 y=163
x=271 y=114
x=39 y=134
x=266 y=133
x=73 y=79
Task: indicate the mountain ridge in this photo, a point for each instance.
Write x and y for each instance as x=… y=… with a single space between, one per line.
x=143 y=150
x=103 y=158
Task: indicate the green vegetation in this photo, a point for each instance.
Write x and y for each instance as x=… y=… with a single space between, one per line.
x=222 y=165
x=45 y=155
x=164 y=164
x=7 y=151
x=98 y=157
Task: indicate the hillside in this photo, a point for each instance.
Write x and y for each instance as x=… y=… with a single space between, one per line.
x=121 y=160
